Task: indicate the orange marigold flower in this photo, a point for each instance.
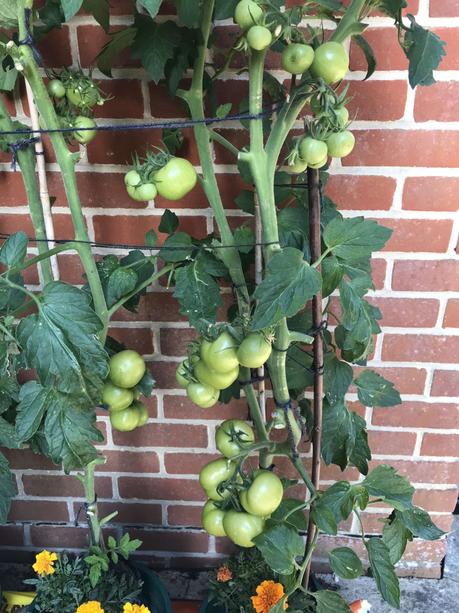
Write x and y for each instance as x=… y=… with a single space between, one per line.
x=92 y=606
x=268 y=594
x=135 y=608
x=360 y=606
x=44 y=563
x=224 y=574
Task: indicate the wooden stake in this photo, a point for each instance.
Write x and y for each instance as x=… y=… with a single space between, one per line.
x=316 y=251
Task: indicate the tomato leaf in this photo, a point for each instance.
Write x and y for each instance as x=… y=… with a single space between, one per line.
x=296 y=518
x=198 y=293
x=332 y=273
x=224 y=9
x=61 y=342
x=7 y=489
x=189 y=13
x=100 y=10
x=146 y=384
x=345 y=563
x=392 y=7
x=338 y=434
x=280 y=546
x=167 y=38
x=177 y=248
x=384 y=482
x=152 y=6
x=245 y=202
x=121 y=282
x=30 y=410
x=395 y=537
x=9 y=392
x=383 y=571
x=8 y=436
x=330 y=602
x=337 y=378
x=8 y=13
x=361 y=452
x=8 y=74
x=425 y=50
x=333 y=506
x=14 y=250
x=368 y=53
x=355 y=238
x=123 y=39
x=71 y=8
x=169 y=222
x=419 y=523
x=375 y=391
x=289 y=283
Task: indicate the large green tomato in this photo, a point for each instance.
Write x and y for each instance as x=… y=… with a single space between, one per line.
x=214 y=473
x=319 y=164
x=342 y=116
x=126 y=368
x=83 y=94
x=116 y=398
x=125 y=421
x=232 y=436
x=312 y=150
x=340 y=144
x=298 y=167
x=142 y=412
x=254 y=350
x=297 y=58
x=56 y=88
x=331 y=62
x=221 y=354
x=218 y=380
x=259 y=38
x=242 y=528
x=176 y=179
x=212 y=519
x=264 y=494
x=143 y=192
x=202 y=394
x=87 y=134
x=247 y=14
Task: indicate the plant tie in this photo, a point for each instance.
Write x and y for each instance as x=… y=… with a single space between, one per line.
x=86 y=506
x=29 y=39
x=19 y=145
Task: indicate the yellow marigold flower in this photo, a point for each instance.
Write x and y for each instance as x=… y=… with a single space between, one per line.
x=135 y=608
x=92 y=606
x=224 y=574
x=44 y=563
x=268 y=594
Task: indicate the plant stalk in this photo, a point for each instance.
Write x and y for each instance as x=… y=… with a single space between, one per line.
x=350 y=17
x=87 y=479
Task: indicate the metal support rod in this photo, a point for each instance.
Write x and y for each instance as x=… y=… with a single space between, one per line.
x=316 y=250
x=258 y=280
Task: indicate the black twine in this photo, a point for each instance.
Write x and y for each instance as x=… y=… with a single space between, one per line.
x=29 y=39
x=84 y=506
x=17 y=146
x=254 y=379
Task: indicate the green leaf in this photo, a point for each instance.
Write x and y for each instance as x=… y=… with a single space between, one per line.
x=337 y=434
x=152 y=6
x=172 y=139
x=100 y=10
x=289 y=283
x=224 y=9
x=384 y=482
x=154 y=57
x=224 y=110
x=299 y=373
x=330 y=602
x=8 y=435
x=71 y=8
x=392 y=7
x=123 y=39
x=325 y=520
x=425 y=51
x=361 y=452
x=177 y=248
x=95 y=573
x=333 y=506
x=31 y=409
x=337 y=378
x=296 y=518
x=355 y=238
x=8 y=75
x=419 y=523
x=375 y=391
x=332 y=273
x=345 y=563
x=169 y=222
x=121 y=282
x=9 y=392
x=244 y=238
x=383 y=571
x=151 y=238
x=245 y=202
x=395 y=536
x=14 y=250
x=146 y=384
x=197 y=292
x=368 y=53
x=8 y=13
x=189 y=13
x=7 y=489
x=280 y=546
x=61 y=342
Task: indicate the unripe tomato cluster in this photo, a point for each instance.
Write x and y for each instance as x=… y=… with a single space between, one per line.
x=215 y=366
x=173 y=181
x=240 y=511
x=119 y=393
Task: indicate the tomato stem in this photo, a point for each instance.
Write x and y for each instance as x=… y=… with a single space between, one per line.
x=350 y=18
x=87 y=480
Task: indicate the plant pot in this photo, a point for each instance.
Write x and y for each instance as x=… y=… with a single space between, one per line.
x=18 y=599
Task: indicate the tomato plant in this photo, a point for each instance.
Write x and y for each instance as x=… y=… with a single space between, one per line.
x=297 y=58
x=232 y=436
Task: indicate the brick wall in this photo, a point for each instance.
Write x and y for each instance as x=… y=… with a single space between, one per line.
x=404 y=172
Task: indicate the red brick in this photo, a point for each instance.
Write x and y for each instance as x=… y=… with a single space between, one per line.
x=377 y=100
x=71 y=269
x=139 y=339
x=436 y=500
x=165 y=106
x=417 y=415
x=440 y=444
x=63 y=485
x=373 y=522
x=431 y=194
x=444 y=8
x=437 y=102
x=45 y=510
x=378 y=271
x=425 y=148
x=425 y=472
x=451 y=38
x=163 y=435
x=391 y=443
x=420 y=348
x=13 y=192
x=445 y=383
x=164 y=373
x=407 y=312
x=20 y=459
x=59 y=536
x=452 y=314
x=11 y=536
x=389 y=55
x=157 y=540
x=55 y=48
x=186 y=463
x=125 y=99
x=91 y=39
x=353 y=192
x=239 y=139
x=130 y=513
x=146 y=488
x=426 y=276
x=181 y=515
x=180 y=407
x=418 y=235
x=174 y=341
x=131 y=462
x=155 y=306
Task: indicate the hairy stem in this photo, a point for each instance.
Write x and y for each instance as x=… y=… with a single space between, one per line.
x=351 y=16
x=87 y=479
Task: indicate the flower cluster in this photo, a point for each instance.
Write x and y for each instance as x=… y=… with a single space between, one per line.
x=92 y=606
x=44 y=563
x=269 y=593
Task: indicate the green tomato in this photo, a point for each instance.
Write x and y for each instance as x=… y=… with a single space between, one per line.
x=247 y=14
x=214 y=473
x=56 y=88
x=116 y=398
x=340 y=144
x=242 y=528
x=298 y=167
x=83 y=95
x=212 y=519
x=125 y=421
x=143 y=192
x=86 y=135
x=182 y=373
x=265 y=494
x=218 y=380
x=176 y=179
x=221 y=354
x=312 y=150
x=259 y=38
x=342 y=116
x=132 y=178
x=126 y=368
x=142 y=412
x=232 y=436
x=331 y=62
x=297 y=58
x=254 y=350
x=319 y=164
x=202 y=394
